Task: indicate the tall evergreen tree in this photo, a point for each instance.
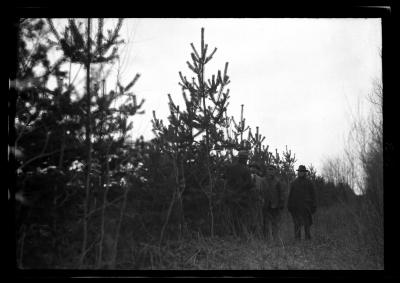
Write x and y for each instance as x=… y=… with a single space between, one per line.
x=45 y=122
x=206 y=101
x=51 y=133
x=106 y=127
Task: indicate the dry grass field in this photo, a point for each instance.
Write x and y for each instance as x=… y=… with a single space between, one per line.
x=338 y=243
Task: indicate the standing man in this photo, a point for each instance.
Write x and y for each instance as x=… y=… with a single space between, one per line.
x=302 y=203
x=239 y=183
x=274 y=200
x=257 y=199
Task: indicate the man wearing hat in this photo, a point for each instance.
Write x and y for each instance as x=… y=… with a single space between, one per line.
x=274 y=200
x=239 y=183
x=302 y=203
x=257 y=199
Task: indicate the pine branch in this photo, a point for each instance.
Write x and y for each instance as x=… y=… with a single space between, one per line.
x=210 y=57
x=195 y=52
x=100 y=36
x=132 y=83
x=53 y=29
x=76 y=35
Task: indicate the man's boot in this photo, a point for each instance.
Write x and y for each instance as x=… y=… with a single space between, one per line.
x=297 y=232
x=266 y=233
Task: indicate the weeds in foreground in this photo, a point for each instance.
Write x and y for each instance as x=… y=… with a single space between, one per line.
x=336 y=244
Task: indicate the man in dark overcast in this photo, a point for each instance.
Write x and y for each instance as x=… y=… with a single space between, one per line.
x=302 y=203
x=274 y=201
x=239 y=183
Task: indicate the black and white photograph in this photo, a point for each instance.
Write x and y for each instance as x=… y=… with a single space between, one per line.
x=197 y=144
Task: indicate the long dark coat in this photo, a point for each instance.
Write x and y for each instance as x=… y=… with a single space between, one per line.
x=301 y=200
x=274 y=193
x=239 y=183
x=238 y=177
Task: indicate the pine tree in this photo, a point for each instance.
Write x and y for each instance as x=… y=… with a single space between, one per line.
x=206 y=101
x=45 y=122
x=239 y=130
x=78 y=50
x=51 y=133
x=106 y=127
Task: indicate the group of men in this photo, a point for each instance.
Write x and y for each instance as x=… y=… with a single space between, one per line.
x=263 y=197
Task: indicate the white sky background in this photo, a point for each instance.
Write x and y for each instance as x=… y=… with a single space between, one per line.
x=299 y=79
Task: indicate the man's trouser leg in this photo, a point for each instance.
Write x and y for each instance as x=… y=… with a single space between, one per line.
x=257 y=221
x=235 y=219
x=266 y=224
x=297 y=231
x=253 y=220
x=307 y=232
x=243 y=220
x=307 y=225
x=275 y=213
x=239 y=224
x=260 y=222
x=297 y=226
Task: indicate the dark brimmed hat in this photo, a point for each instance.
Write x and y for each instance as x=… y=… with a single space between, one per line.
x=271 y=166
x=302 y=168
x=243 y=154
x=256 y=165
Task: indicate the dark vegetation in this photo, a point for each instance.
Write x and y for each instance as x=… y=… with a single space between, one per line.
x=88 y=196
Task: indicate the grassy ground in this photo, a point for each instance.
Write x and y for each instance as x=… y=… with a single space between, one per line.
x=337 y=244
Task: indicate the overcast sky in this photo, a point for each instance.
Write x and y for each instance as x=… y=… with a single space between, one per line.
x=299 y=79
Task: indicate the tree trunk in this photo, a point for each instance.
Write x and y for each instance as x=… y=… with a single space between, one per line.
x=55 y=215
x=183 y=221
x=169 y=209
x=89 y=151
x=206 y=116
x=118 y=231
x=21 y=248
x=210 y=203
x=105 y=191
